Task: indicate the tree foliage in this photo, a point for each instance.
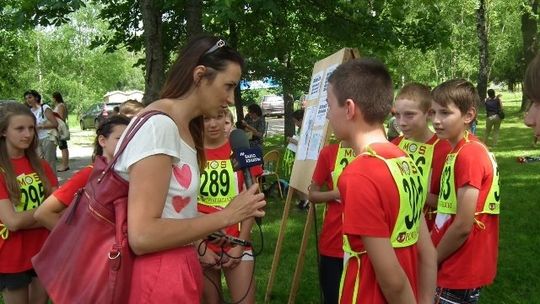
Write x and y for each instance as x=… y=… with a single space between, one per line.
x=60 y=58
x=420 y=40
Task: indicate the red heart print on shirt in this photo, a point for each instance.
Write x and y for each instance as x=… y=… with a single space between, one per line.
x=182 y=175
x=179 y=202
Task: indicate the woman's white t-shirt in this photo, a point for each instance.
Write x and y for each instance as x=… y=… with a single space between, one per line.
x=41 y=119
x=159 y=135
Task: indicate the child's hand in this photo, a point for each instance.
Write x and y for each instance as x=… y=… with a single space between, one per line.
x=234 y=258
x=210 y=260
x=336 y=195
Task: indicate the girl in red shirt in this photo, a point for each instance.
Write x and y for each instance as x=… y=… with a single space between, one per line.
x=25 y=180
x=107 y=135
x=215 y=194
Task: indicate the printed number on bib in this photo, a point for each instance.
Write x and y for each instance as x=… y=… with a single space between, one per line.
x=414 y=191
x=215 y=183
x=445 y=185
x=32 y=192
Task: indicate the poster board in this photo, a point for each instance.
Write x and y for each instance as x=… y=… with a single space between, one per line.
x=315 y=131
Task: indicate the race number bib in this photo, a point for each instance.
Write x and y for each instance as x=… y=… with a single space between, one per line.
x=32 y=191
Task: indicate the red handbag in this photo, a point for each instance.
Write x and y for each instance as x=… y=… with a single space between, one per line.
x=86 y=258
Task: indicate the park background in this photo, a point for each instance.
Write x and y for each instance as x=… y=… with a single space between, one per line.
x=87 y=48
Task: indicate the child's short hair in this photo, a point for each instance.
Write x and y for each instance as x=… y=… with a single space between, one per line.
x=417 y=92
x=229 y=115
x=130 y=107
x=368 y=83
x=531 y=83
x=459 y=91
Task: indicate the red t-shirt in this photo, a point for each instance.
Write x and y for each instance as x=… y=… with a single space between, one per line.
x=20 y=246
x=67 y=191
x=371 y=206
x=224 y=153
x=331 y=239
x=474 y=264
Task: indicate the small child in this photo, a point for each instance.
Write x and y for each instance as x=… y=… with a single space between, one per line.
x=388 y=254
x=219 y=185
x=412 y=106
x=466 y=232
x=290 y=151
x=229 y=122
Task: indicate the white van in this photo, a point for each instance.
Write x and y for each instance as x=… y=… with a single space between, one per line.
x=273 y=105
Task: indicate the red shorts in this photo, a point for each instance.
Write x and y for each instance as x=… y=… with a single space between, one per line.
x=171 y=276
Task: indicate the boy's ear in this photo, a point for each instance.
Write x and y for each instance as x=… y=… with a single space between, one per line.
x=469 y=115
x=350 y=109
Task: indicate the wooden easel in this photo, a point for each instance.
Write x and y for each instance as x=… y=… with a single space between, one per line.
x=316 y=132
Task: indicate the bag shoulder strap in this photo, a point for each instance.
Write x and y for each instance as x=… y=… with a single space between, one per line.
x=130 y=132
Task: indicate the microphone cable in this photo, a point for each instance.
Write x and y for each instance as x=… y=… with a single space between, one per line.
x=222 y=254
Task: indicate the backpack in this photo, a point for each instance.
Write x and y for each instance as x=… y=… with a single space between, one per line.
x=63 y=129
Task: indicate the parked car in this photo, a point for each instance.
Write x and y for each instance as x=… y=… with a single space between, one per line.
x=96 y=114
x=273 y=105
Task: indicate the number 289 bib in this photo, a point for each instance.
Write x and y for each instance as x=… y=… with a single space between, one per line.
x=218 y=183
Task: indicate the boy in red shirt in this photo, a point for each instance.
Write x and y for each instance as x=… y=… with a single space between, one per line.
x=466 y=232
x=389 y=257
x=412 y=106
x=323 y=189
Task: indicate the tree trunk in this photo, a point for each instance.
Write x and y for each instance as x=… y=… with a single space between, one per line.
x=288 y=97
x=233 y=42
x=481 y=31
x=153 y=35
x=529 y=28
x=193 y=10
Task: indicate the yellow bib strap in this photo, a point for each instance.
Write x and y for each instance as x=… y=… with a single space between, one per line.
x=357 y=276
x=343 y=158
x=478 y=222
x=4 y=232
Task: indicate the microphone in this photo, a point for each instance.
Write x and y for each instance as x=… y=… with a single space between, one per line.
x=245 y=157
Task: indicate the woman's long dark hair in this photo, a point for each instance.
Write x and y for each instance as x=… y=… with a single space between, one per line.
x=58 y=97
x=7 y=111
x=180 y=77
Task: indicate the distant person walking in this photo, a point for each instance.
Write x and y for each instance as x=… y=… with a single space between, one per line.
x=494 y=116
x=60 y=108
x=531 y=89
x=46 y=127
